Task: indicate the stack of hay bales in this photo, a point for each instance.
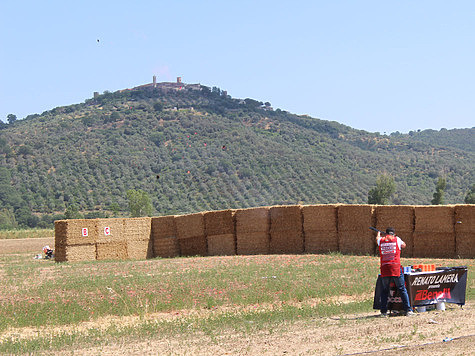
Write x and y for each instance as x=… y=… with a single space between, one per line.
x=111 y=243
x=354 y=235
x=252 y=231
x=401 y=218
x=74 y=240
x=165 y=242
x=320 y=228
x=286 y=229
x=434 y=231
x=465 y=231
x=191 y=236
x=219 y=229
x=138 y=235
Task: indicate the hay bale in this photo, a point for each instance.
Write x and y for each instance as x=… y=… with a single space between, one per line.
x=285 y=218
x=319 y=218
x=355 y=217
x=166 y=247
x=191 y=225
x=76 y=231
x=112 y=250
x=434 y=244
x=221 y=245
x=219 y=222
x=163 y=227
x=464 y=218
x=361 y=242
x=252 y=243
x=317 y=241
x=283 y=242
x=73 y=253
x=110 y=229
x=139 y=249
x=401 y=217
x=193 y=246
x=60 y=231
x=252 y=220
x=465 y=245
x=435 y=218
x=408 y=238
x=138 y=229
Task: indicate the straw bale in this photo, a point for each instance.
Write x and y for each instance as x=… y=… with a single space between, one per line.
x=75 y=253
x=60 y=231
x=290 y=241
x=139 y=249
x=408 y=238
x=361 y=242
x=252 y=220
x=112 y=250
x=71 y=231
x=163 y=227
x=193 y=246
x=355 y=217
x=464 y=218
x=317 y=241
x=221 y=245
x=252 y=243
x=166 y=247
x=138 y=229
x=285 y=218
x=319 y=218
x=401 y=217
x=191 y=225
x=219 y=222
x=115 y=228
x=436 y=218
x=434 y=244
x=465 y=244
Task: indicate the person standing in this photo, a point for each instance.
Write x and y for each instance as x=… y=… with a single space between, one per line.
x=390 y=247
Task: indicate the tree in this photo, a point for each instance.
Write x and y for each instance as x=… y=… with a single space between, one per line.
x=470 y=197
x=380 y=194
x=139 y=203
x=439 y=192
x=158 y=106
x=11 y=118
x=72 y=212
x=7 y=219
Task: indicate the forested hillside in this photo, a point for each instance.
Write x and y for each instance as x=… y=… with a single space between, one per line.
x=196 y=150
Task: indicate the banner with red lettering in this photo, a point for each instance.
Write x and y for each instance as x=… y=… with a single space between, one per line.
x=424 y=288
x=447 y=285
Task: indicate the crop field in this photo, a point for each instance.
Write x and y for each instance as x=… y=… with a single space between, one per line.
x=26 y=233
x=262 y=304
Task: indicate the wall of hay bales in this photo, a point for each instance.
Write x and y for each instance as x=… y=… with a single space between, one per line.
x=429 y=231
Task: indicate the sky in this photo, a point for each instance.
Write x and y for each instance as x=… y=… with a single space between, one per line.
x=379 y=66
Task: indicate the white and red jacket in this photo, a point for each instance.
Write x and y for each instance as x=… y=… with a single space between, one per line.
x=390 y=255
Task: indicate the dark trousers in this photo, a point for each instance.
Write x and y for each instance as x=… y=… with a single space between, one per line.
x=399 y=282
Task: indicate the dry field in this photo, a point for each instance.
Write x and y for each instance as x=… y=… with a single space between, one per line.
x=344 y=332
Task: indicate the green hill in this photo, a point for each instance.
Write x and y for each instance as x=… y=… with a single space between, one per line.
x=193 y=150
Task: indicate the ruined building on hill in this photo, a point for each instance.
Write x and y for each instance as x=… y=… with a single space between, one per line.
x=168 y=86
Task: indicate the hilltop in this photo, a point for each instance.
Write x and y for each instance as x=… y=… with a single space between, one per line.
x=192 y=148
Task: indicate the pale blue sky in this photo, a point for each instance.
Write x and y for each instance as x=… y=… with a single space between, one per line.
x=374 y=65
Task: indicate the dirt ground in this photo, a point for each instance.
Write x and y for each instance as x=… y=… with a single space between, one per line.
x=34 y=246
x=449 y=332
x=346 y=335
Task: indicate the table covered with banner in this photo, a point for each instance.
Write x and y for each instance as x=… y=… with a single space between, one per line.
x=445 y=284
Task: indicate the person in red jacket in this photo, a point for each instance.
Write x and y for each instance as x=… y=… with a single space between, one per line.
x=390 y=247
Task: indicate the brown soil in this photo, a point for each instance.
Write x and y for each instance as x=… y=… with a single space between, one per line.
x=34 y=246
x=345 y=335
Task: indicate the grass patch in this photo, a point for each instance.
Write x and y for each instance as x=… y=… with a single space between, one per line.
x=26 y=233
